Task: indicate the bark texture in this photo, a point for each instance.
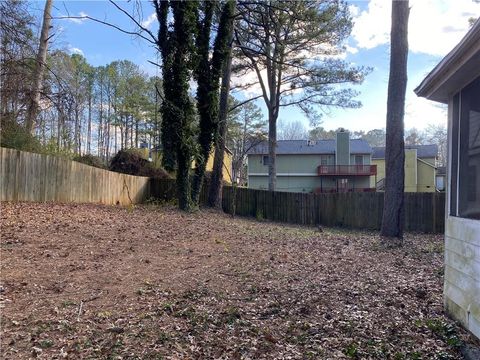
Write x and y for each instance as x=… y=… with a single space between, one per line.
x=393 y=209
x=216 y=182
x=39 y=69
x=208 y=75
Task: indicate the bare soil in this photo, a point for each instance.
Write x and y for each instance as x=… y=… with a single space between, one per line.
x=150 y=282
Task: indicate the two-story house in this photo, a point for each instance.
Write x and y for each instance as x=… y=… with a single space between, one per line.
x=340 y=165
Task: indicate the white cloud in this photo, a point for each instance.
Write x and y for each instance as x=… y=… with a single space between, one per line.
x=248 y=83
x=435 y=26
x=371 y=26
x=75 y=50
x=76 y=20
x=420 y=113
x=351 y=49
x=149 y=21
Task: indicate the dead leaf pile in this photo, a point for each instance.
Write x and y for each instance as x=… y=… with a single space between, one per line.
x=92 y=281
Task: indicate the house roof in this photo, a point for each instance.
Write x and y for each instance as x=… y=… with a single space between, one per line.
x=423 y=151
x=284 y=147
x=456 y=70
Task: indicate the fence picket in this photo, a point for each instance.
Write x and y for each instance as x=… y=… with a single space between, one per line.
x=34 y=177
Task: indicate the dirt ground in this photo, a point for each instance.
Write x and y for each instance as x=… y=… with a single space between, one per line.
x=103 y=282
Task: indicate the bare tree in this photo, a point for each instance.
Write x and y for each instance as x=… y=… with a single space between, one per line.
x=393 y=208
x=437 y=134
x=39 y=69
x=16 y=48
x=375 y=137
x=414 y=136
x=292 y=130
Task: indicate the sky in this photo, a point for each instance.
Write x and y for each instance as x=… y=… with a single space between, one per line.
x=435 y=27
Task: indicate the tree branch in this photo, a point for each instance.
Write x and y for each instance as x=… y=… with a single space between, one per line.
x=87 y=17
x=243 y=103
x=135 y=21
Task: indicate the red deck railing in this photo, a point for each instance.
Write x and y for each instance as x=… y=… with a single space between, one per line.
x=355 y=170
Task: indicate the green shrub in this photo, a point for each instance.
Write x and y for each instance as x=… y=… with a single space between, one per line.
x=15 y=136
x=259 y=215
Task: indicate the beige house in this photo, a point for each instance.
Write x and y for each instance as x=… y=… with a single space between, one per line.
x=456 y=81
x=156 y=156
x=420 y=167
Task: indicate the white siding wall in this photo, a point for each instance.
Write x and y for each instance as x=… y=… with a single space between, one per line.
x=462 y=258
x=462 y=271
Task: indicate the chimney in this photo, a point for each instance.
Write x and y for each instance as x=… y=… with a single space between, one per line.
x=342 y=149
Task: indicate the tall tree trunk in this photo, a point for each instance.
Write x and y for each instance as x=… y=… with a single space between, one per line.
x=216 y=182
x=393 y=208
x=43 y=130
x=39 y=69
x=241 y=159
x=169 y=120
x=76 y=131
x=107 y=135
x=122 y=142
x=131 y=131
x=156 y=136
x=272 y=152
x=60 y=127
x=208 y=74
x=126 y=131
x=107 y=124
x=115 y=138
x=205 y=100
x=89 y=125
x=136 y=133
x=100 y=123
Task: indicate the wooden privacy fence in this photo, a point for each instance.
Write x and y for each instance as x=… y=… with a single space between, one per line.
x=424 y=212
x=35 y=177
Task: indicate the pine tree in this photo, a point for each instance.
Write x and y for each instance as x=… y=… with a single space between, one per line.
x=393 y=209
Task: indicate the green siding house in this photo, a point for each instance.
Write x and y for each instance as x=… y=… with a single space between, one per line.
x=340 y=165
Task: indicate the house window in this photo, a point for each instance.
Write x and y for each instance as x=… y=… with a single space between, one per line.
x=465 y=184
x=358 y=159
x=266 y=160
x=326 y=160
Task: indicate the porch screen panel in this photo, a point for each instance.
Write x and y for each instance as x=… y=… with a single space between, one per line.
x=469 y=151
x=454 y=158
